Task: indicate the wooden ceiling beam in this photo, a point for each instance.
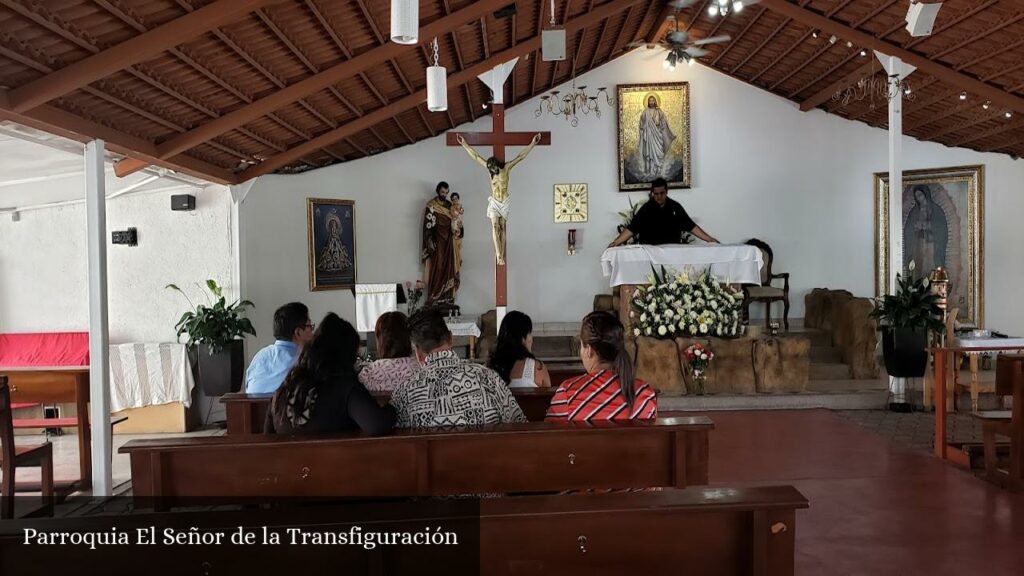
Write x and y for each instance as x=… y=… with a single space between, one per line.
x=823 y=95
x=757 y=17
x=941 y=71
x=661 y=24
x=318 y=82
x=757 y=49
x=454 y=80
x=991 y=114
x=137 y=49
x=801 y=40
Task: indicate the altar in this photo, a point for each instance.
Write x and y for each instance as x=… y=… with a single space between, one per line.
x=630 y=266
x=728 y=263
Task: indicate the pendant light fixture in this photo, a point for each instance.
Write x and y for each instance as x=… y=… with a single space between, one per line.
x=405 y=21
x=437 y=84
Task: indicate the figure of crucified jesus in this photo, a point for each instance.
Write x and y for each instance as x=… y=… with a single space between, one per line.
x=499 y=203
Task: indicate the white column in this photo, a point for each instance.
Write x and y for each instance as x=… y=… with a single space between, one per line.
x=99 y=337
x=895 y=176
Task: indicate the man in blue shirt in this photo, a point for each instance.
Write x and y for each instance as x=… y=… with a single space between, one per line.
x=292 y=331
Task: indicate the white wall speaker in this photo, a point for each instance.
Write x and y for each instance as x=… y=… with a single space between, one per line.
x=921 y=18
x=552 y=44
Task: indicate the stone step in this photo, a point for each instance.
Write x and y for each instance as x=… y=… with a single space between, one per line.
x=848 y=385
x=829 y=371
x=862 y=400
x=826 y=355
x=554 y=346
x=816 y=337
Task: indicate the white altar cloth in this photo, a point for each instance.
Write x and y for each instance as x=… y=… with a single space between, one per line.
x=1012 y=344
x=729 y=263
x=463 y=326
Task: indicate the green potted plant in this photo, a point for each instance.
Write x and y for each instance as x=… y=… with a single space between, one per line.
x=216 y=330
x=905 y=319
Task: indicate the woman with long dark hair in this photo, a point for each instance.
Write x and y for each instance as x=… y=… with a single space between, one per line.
x=395 y=363
x=609 y=390
x=321 y=394
x=513 y=357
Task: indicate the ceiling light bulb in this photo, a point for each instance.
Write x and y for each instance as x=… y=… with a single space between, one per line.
x=863 y=53
x=713 y=10
x=1009 y=114
x=985 y=105
x=907 y=90
x=963 y=95
x=849 y=44
x=737 y=6
x=723 y=10
x=690 y=61
x=832 y=39
x=814 y=34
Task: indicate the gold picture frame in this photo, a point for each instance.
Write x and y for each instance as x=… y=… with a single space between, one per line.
x=571 y=203
x=665 y=150
x=943 y=215
x=331 y=243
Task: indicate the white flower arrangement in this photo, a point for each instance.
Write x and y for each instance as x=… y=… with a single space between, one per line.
x=678 y=305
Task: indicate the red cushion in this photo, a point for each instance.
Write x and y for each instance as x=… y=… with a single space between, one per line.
x=16 y=405
x=44 y=349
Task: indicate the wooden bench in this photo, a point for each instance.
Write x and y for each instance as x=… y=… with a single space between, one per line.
x=246 y=413
x=13 y=457
x=1009 y=423
x=508 y=458
x=699 y=531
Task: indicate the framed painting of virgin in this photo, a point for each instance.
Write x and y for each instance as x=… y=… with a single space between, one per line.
x=943 y=221
x=331 y=232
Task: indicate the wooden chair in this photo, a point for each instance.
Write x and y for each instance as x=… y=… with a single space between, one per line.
x=12 y=457
x=765 y=292
x=1009 y=423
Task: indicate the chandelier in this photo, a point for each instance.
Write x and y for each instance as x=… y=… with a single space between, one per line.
x=875 y=87
x=573 y=103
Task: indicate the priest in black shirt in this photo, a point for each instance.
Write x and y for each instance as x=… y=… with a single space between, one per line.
x=661 y=220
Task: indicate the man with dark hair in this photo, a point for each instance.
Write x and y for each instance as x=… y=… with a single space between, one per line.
x=661 y=220
x=449 y=391
x=292 y=331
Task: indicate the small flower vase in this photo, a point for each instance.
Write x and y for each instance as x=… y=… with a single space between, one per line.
x=699 y=380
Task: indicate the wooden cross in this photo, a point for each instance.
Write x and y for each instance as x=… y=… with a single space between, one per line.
x=498 y=138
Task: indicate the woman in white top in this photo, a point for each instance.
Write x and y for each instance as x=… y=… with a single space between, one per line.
x=513 y=358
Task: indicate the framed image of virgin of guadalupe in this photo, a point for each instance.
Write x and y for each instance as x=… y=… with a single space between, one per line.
x=331 y=231
x=654 y=135
x=943 y=225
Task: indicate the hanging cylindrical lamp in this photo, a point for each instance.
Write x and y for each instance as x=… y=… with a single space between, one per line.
x=437 y=84
x=405 y=21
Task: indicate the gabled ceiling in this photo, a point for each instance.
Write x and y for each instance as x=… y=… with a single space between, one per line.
x=232 y=89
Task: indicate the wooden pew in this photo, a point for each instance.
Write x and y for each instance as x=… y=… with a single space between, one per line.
x=721 y=531
x=1009 y=423
x=508 y=458
x=246 y=413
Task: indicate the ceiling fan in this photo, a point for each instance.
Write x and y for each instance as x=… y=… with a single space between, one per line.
x=679 y=46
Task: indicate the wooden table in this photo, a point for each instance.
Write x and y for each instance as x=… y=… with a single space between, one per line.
x=944 y=357
x=53 y=385
x=246 y=413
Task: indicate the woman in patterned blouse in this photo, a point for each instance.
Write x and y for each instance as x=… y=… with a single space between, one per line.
x=395 y=363
x=609 y=389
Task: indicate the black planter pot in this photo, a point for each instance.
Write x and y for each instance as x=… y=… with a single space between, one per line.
x=905 y=351
x=222 y=372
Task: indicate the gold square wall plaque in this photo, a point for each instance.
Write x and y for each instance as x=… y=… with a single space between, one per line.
x=570 y=203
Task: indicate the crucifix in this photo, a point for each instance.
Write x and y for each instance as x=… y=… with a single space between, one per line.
x=498 y=203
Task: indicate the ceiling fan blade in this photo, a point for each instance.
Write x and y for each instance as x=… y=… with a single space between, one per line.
x=696 y=52
x=751 y=2
x=712 y=40
x=682 y=4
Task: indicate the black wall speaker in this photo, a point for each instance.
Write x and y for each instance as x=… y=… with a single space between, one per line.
x=183 y=202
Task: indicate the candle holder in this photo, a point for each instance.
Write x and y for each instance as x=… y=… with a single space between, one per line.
x=572 y=242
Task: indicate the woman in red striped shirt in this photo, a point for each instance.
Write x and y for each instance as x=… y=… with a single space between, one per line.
x=609 y=389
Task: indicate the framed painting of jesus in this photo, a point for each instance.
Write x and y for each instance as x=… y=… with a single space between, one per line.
x=331 y=232
x=654 y=135
x=943 y=221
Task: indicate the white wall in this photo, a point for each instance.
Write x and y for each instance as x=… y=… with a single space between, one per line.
x=44 y=268
x=800 y=181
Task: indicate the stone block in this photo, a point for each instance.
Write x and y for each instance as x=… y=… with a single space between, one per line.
x=783 y=364
x=657 y=363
